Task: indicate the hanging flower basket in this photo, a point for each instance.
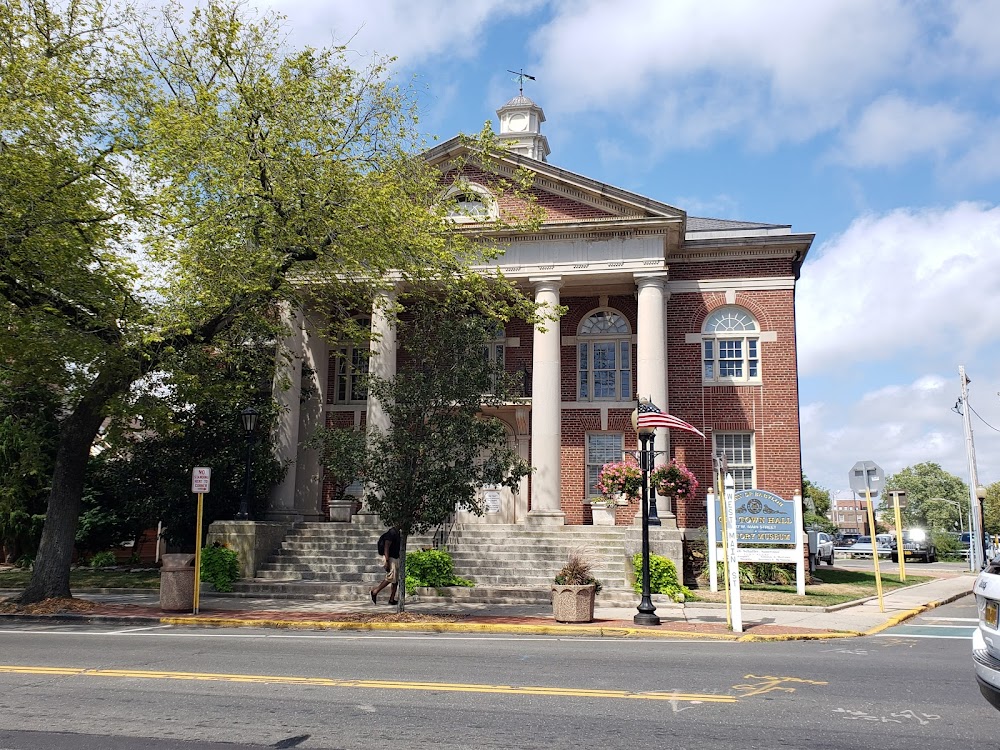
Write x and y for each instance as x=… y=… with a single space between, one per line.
x=622 y=477
x=674 y=481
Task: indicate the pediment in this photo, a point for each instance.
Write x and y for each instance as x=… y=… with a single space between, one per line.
x=567 y=199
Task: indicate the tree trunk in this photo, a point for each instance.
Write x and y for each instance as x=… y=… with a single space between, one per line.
x=50 y=575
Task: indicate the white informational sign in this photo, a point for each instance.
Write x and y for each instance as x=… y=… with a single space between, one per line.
x=746 y=514
x=491 y=498
x=201 y=480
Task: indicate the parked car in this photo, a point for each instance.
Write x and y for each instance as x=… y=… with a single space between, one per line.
x=821 y=548
x=965 y=544
x=986 y=638
x=845 y=540
x=916 y=544
x=863 y=547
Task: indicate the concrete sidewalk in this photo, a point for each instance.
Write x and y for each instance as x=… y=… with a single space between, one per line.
x=691 y=620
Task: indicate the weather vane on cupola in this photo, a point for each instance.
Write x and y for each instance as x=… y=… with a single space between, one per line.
x=521 y=75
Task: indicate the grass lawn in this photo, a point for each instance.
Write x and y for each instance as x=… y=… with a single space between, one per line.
x=837 y=587
x=87 y=578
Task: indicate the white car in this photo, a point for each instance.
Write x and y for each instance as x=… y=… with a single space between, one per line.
x=821 y=548
x=863 y=547
x=986 y=638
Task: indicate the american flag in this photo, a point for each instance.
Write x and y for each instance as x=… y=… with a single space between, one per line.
x=651 y=416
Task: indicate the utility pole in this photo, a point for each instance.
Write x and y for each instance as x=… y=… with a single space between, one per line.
x=976 y=552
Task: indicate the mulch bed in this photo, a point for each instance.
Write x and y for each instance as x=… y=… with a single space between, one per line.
x=49 y=607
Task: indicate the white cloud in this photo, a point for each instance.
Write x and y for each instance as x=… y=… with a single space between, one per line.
x=896 y=426
x=893 y=130
x=411 y=31
x=783 y=66
x=904 y=283
x=974 y=34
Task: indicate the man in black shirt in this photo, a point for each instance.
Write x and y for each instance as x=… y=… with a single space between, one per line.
x=388 y=547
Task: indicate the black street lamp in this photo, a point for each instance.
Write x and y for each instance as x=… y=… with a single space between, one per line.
x=249 y=417
x=647 y=612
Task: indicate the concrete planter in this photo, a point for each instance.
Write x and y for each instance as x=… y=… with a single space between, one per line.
x=604 y=515
x=573 y=603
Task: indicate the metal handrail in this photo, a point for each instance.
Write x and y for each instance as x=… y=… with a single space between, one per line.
x=443 y=531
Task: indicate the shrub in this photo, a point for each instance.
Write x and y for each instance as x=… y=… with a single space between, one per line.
x=431 y=568
x=662 y=577
x=220 y=566
x=103 y=559
x=759 y=573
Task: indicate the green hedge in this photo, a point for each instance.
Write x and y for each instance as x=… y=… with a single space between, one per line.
x=662 y=578
x=431 y=568
x=220 y=566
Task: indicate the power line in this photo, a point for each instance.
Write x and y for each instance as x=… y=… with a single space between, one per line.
x=980 y=418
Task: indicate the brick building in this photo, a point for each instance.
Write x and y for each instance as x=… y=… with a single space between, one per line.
x=696 y=314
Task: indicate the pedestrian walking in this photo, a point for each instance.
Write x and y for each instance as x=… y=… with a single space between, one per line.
x=388 y=547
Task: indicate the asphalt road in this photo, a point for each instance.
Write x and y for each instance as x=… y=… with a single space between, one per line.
x=87 y=687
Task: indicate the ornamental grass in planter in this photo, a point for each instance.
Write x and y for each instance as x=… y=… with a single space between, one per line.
x=574 y=591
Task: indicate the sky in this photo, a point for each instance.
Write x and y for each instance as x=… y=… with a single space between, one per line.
x=874 y=124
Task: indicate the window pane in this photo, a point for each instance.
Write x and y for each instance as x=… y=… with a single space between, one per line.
x=737 y=447
x=731 y=358
x=604 y=356
x=602 y=448
x=626 y=369
x=604 y=384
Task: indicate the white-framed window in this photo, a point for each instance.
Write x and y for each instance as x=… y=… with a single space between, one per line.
x=469 y=203
x=602 y=448
x=496 y=355
x=352 y=366
x=730 y=347
x=604 y=357
x=738 y=450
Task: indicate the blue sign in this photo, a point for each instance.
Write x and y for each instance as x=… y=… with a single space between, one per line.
x=761 y=518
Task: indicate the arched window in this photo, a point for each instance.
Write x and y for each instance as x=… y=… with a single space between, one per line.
x=604 y=357
x=731 y=347
x=469 y=202
x=352 y=367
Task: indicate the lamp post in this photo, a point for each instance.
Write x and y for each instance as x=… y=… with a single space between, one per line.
x=647 y=612
x=249 y=417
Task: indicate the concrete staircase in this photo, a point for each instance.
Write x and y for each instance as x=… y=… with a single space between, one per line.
x=508 y=563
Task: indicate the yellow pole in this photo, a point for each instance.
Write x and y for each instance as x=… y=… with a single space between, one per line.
x=725 y=546
x=900 y=555
x=871 y=526
x=197 y=556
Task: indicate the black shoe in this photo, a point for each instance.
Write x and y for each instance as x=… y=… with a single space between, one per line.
x=393 y=603
x=374 y=596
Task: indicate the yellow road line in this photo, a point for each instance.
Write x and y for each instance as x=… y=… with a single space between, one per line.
x=377 y=684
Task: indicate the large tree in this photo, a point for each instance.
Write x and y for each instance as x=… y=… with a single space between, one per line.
x=925 y=484
x=162 y=180
x=440 y=448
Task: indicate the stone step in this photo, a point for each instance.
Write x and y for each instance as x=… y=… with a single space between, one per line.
x=318 y=590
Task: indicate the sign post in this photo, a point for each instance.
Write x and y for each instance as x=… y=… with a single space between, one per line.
x=201 y=483
x=899 y=501
x=732 y=555
x=867 y=477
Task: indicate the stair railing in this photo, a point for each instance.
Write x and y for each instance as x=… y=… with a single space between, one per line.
x=443 y=531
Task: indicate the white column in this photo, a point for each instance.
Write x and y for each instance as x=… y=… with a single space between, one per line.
x=309 y=476
x=382 y=362
x=546 y=410
x=287 y=390
x=651 y=360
